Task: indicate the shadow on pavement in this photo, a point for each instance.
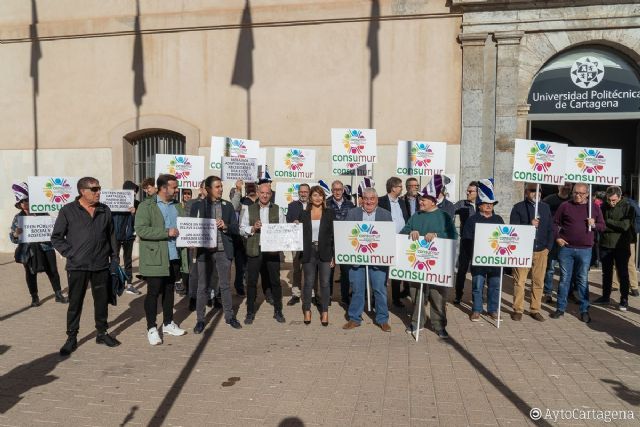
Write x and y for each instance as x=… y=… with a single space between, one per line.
x=130 y=416
x=625 y=393
x=291 y=422
x=21 y=379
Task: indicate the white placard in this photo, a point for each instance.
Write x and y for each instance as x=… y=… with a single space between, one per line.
x=189 y=170
x=223 y=146
x=364 y=242
x=421 y=158
x=287 y=192
x=280 y=237
x=503 y=245
x=351 y=148
x=197 y=233
x=424 y=262
x=601 y=166
x=51 y=193
x=35 y=228
x=117 y=200
x=234 y=168
x=294 y=163
x=540 y=162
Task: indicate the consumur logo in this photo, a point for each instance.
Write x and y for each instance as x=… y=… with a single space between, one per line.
x=354 y=141
x=591 y=161
x=294 y=159
x=541 y=157
x=236 y=148
x=180 y=167
x=364 y=238
x=57 y=190
x=422 y=255
x=291 y=194
x=504 y=240
x=421 y=155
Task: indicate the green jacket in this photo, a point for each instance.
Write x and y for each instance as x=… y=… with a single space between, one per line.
x=154 y=250
x=437 y=221
x=619 y=221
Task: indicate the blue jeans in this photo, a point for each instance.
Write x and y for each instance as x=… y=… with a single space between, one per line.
x=378 y=280
x=493 y=291
x=576 y=262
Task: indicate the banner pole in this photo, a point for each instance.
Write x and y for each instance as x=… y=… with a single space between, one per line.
x=366 y=270
x=535 y=215
x=354 y=193
x=590 y=201
x=499 y=296
x=419 y=310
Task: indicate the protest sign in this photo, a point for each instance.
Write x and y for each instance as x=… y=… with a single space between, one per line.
x=281 y=237
x=351 y=148
x=197 y=232
x=50 y=193
x=424 y=262
x=296 y=163
x=601 y=166
x=117 y=200
x=503 y=245
x=364 y=242
x=287 y=192
x=222 y=146
x=539 y=162
x=421 y=158
x=35 y=228
x=189 y=170
x=234 y=168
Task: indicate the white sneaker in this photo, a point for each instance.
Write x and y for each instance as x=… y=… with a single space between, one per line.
x=154 y=336
x=173 y=329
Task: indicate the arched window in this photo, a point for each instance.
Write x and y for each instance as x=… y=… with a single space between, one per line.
x=147 y=144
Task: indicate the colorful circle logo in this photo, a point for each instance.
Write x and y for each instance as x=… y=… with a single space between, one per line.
x=504 y=240
x=591 y=161
x=180 y=167
x=57 y=190
x=291 y=194
x=354 y=141
x=364 y=238
x=237 y=148
x=421 y=154
x=422 y=255
x=294 y=159
x=541 y=157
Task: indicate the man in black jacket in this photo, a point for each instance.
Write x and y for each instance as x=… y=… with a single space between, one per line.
x=294 y=209
x=524 y=213
x=83 y=234
x=465 y=209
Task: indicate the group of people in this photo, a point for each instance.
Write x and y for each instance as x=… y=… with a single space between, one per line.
x=91 y=238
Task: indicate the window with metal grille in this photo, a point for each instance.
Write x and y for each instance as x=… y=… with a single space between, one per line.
x=147 y=145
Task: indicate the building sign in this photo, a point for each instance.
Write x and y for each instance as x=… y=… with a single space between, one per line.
x=586 y=80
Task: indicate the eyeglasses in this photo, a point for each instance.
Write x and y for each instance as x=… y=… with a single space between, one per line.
x=337 y=189
x=579 y=194
x=94 y=189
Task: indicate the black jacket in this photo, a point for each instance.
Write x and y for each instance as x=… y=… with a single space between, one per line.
x=384 y=203
x=407 y=202
x=325 y=235
x=87 y=243
x=522 y=213
x=203 y=209
x=294 y=209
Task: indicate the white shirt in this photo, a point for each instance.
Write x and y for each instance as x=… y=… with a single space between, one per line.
x=396 y=213
x=245 y=227
x=369 y=216
x=315 y=229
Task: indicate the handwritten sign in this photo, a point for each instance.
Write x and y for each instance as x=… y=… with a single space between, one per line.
x=117 y=200
x=281 y=237
x=197 y=232
x=35 y=228
x=223 y=146
x=424 y=262
x=234 y=168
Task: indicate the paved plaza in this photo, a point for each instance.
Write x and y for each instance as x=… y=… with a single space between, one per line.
x=296 y=375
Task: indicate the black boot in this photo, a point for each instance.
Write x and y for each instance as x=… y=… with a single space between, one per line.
x=35 y=301
x=69 y=346
x=61 y=298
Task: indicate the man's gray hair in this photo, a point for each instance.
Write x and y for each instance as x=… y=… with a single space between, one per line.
x=370 y=191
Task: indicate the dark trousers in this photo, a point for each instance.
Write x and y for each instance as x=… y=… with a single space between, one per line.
x=396 y=294
x=324 y=271
x=619 y=256
x=214 y=264
x=160 y=286
x=78 y=281
x=127 y=250
x=464 y=259
x=267 y=264
x=344 y=282
x=51 y=269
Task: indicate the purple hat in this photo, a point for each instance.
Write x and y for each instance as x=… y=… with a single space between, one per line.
x=366 y=183
x=433 y=189
x=20 y=191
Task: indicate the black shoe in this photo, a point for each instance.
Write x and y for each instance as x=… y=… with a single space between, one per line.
x=198 y=328
x=35 y=301
x=584 y=317
x=268 y=299
x=240 y=292
x=69 y=346
x=398 y=303
x=210 y=302
x=405 y=293
x=443 y=334
x=556 y=314
x=279 y=317
x=179 y=287
x=107 y=340
x=248 y=320
x=634 y=293
x=233 y=322
x=602 y=301
x=293 y=301
x=217 y=303
x=457 y=300
x=192 y=304
x=61 y=298
x=547 y=299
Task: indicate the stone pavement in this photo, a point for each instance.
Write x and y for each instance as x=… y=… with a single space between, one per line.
x=293 y=375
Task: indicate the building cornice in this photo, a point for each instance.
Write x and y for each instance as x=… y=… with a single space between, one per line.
x=489 y=5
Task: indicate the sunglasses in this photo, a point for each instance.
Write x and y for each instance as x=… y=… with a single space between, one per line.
x=94 y=189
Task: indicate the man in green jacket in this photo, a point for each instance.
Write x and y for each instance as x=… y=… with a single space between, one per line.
x=156 y=225
x=615 y=244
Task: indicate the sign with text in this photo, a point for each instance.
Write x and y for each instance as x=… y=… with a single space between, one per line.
x=424 y=262
x=602 y=166
x=540 y=162
x=503 y=245
x=189 y=170
x=287 y=192
x=222 y=146
x=234 y=168
x=365 y=242
x=35 y=228
x=351 y=148
x=117 y=200
x=421 y=158
x=281 y=237
x=51 y=193
x=296 y=163
x=197 y=233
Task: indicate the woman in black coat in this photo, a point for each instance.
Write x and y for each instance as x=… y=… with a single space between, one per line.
x=317 y=254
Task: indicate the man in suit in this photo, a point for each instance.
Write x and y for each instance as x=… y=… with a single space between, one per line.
x=294 y=209
x=370 y=211
x=410 y=198
x=392 y=202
